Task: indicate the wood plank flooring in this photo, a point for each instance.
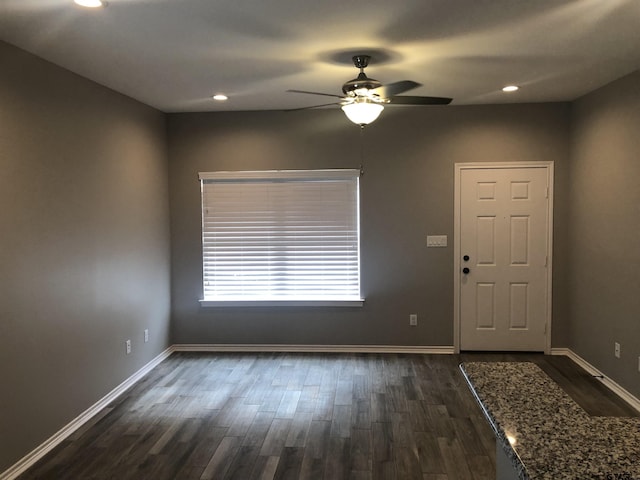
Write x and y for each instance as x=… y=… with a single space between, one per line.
x=301 y=416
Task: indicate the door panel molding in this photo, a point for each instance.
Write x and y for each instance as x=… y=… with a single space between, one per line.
x=517 y=192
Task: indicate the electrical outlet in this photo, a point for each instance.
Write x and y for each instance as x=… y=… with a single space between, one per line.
x=128 y=344
x=413 y=320
x=616 y=349
x=146 y=335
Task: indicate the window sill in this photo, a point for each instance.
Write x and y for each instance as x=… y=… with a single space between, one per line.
x=282 y=303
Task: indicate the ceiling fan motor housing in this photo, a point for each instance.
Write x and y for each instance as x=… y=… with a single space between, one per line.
x=358 y=83
x=361 y=82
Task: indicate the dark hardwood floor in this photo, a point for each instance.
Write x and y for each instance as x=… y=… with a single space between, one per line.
x=302 y=416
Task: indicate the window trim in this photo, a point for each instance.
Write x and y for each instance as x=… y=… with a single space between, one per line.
x=285 y=175
x=282 y=303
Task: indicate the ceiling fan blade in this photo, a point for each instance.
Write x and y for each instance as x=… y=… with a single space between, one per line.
x=409 y=100
x=316 y=93
x=395 y=88
x=313 y=106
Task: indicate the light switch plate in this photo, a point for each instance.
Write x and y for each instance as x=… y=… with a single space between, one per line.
x=436 y=240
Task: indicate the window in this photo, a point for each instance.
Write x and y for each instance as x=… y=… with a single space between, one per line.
x=281 y=237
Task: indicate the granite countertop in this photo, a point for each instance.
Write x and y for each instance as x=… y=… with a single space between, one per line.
x=544 y=433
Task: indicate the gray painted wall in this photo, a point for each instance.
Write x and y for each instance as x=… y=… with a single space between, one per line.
x=84 y=245
x=604 y=282
x=406 y=194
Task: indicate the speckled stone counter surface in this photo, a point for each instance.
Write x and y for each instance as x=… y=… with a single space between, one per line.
x=544 y=433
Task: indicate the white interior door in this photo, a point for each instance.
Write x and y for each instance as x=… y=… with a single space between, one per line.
x=504 y=265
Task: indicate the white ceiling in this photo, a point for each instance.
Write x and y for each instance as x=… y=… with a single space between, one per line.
x=175 y=54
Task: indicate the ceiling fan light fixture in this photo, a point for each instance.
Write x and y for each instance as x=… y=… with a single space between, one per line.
x=362 y=111
x=90 y=3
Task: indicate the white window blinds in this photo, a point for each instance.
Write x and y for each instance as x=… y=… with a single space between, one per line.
x=281 y=236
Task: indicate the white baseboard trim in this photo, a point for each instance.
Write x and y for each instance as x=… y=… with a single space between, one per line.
x=312 y=348
x=30 y=459
x=609 y=383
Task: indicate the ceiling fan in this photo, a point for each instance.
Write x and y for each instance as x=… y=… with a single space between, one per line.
x=364 y=98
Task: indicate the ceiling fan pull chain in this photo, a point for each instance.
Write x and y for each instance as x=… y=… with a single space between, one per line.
x=361 y=150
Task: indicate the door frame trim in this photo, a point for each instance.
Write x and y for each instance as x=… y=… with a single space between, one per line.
x=459 y=167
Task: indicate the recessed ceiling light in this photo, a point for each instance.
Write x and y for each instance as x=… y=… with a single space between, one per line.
x=90 y=3
x=510 y=88
x=220 y=97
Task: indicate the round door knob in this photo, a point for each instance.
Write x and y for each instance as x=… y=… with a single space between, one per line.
x=465 y=270
x=466 y=258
